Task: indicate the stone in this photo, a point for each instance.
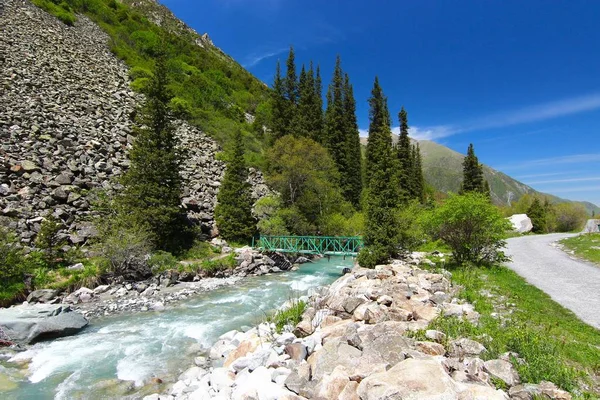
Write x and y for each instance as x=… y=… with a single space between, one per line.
x=409 y=379
x=221 y=378
x=502 y=370
x=521 y=223
x=481 y=392
x=42 y=296
x=334 y=353
x=332 y=385
x=529 y=391
x=285 y=338
x=31 y=323
x=158 y=306
x=434 y=335
x=431 y=348
x=76 y=267
x=465 y=347
x=296 y=351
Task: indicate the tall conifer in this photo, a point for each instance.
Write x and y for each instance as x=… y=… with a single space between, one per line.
x=405 y=162
x=473 y=180
x=381 y=228
x=291 y=88
x=279 y=106
x=152 y=185
x=233 y=212
x=335 y=122
x=353 y=175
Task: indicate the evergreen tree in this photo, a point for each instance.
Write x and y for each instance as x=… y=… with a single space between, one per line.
x=279 y=106
x=405 y=159
x=537 y=213
x=417 y=174
x=473 y=180
x=317 y=107
x=301 y=124
x=380 y=224
x=291 y=89
x=335 y=122
x=233 y=212
x=353 y=173
x=152 y=184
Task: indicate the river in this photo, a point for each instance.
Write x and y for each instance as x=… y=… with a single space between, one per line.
x=139 y=347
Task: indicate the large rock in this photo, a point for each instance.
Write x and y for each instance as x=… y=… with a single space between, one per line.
x=503 y=370
x=410 y=380
x=31 y=323
x=521 y=223
x=42 y=296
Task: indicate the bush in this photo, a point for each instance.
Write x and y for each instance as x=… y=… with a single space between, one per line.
x=50 y=242
x=411 y=234
x=370 y=256
x=11 y=259
x=471 y=226
x=162 y=261
x=570 y=217
x=125 y=249
x=200 y=250
x=289 y=316
x=219 y=264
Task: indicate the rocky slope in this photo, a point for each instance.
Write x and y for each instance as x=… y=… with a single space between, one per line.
x=65 y=126
x=355 y=342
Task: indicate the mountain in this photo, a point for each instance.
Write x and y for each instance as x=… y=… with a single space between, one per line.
x=442 y=168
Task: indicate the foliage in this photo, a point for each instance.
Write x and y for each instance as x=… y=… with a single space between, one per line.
x=538 y=215
x=11 y=264
x=586 y=246
x=125 y=247
x=411 y=234
x=473 y=180
x=339 y=225
x=472 y=227
x=288 y=316
x=219 y=264
x=162 y=261
x=152 y=185
x=199 y=250
x=381 y=229
x=304 y=174
x=60 y=9
x=410 y=171
x=569 y=217
x=233 y=212
x=49 y=241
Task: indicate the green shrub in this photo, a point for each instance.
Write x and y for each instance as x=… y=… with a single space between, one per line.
x=11 y=258
x=49 y=241
x=124 y=247
x=289 y=316
x=370 y=256
x=219 y=264
x=161 y=261
x=411 y=234
x=140 y=72
x=471 y=226
x=200 y=250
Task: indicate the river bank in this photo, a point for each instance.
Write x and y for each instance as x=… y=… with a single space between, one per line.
x=365 y=337
x=133 y=354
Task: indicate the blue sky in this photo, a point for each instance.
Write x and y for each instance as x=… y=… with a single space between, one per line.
x=520 y=80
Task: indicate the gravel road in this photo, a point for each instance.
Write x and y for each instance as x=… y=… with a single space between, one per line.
x=573 y=283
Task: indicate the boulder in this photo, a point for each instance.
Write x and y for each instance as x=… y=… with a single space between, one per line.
x=521 y=223
x=503 y=370
x=529 y=391
x=42 y=296
x=32 y=323
x=465 y=347
x=410 y=379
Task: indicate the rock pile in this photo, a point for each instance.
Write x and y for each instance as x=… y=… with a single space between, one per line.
x=65 y=126
x=356 y=341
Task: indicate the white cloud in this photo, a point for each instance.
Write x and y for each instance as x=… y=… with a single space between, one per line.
x=572 y=159
x=256 y=58
x=569 y=180
x=430 y=133
x=363 y=132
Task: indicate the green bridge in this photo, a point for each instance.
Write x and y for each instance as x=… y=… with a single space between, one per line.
x=323 y=245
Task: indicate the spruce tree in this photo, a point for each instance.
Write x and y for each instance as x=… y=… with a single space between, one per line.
x=317 y=107
x=335 y=122
x=233 y=212
x=417 y=173
x=279 y=105
x=537 y=213
x=473 y=180
x=405 y=158
x=353 y=174
x=303 y=123
x=291 y=89
x=381 y=228
x=152 y=185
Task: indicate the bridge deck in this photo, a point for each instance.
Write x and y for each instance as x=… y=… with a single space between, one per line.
x=323 y=245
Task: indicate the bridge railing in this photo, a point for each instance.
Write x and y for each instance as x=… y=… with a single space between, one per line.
x=324 y=245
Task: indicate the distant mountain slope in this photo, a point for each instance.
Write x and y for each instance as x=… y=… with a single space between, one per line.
x=442 y=168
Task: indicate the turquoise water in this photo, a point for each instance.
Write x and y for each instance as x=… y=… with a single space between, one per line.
x=142 y=346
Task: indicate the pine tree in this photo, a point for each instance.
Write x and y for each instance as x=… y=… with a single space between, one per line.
x=301 y=123
x=279 y=105
x=233 y=212
x=353 y=174
x=152 y=185
x=473 y=180
x=380 y=225
x=417 y=174
x=405 y=159
x=537 y=213
x=291 y=89
x=335 y=122
x=317 y=107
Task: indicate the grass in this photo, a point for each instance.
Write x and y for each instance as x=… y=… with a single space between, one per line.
x=555 y=344
x=289 y=316
x=586 y=246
